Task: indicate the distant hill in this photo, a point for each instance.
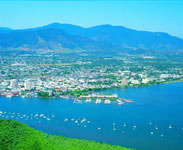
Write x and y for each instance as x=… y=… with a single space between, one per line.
x=98 y=38
x=50 y=39
x=18 y=136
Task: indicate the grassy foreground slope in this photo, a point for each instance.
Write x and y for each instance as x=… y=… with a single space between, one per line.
x=18 y=136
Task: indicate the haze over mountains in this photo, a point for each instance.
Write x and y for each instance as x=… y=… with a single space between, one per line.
x=98 y=38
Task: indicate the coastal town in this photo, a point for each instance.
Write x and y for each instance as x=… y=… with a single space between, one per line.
x=29 y=75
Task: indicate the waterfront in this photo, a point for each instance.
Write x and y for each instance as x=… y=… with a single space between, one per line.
x=154 y=122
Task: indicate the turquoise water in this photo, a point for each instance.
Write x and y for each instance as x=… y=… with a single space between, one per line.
x=153 y=122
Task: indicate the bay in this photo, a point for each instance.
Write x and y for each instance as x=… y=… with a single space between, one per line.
x=153 y=122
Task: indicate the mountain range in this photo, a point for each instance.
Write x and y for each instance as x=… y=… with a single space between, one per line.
x=58 y=36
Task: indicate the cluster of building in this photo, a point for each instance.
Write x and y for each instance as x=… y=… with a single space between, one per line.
x=25 y=77
x=64 y=84
x=28 y=84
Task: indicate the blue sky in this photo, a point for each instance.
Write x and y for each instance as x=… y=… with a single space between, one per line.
x=149 y=15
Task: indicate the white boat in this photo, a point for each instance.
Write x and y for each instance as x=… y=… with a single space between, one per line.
x=83 y=120
x=65 y=120
x=150 y=123
x=162 y=135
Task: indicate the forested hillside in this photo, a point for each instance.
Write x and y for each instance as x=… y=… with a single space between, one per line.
x=18 y=136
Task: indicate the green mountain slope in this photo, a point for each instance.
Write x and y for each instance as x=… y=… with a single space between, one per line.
x=122 y=37
x=105 y=38
x=49 y=39
x=18 y=136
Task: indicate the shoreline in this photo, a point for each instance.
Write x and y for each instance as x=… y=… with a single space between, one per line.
x=95 y=90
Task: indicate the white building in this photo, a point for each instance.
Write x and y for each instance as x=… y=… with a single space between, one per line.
x=13 y=83
x=28 y=85
x=145 y=81
x=135 y=81
x=124 y=82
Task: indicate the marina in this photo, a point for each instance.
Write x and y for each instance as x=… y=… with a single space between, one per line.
x=82 y=122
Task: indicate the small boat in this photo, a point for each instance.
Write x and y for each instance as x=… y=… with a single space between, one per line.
x=65 y=120
x=41 y=115
x=151 y=133
x=99 y=128
x=170 y=127
x=83 y=120
x=134 y=127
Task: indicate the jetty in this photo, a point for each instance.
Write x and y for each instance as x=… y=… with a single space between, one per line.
x=126 y=100
x=107 y=102
x=98 y=101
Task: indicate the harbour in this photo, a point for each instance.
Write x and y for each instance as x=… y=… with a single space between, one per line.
x=132 y=125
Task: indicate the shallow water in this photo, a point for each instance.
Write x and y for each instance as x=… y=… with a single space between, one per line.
x=155 y=106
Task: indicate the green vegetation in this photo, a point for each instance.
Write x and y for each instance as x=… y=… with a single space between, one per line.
x=18 y=136
x=43 y=94
x=78 y=92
